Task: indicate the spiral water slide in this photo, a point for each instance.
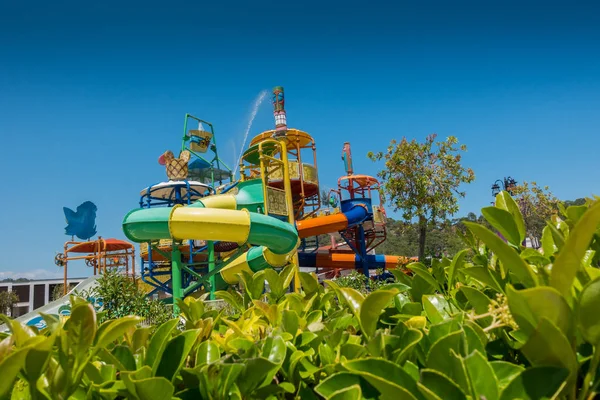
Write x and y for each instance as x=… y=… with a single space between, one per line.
x=220 y=218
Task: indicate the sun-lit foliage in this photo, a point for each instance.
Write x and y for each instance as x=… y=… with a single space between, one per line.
x=496 y=321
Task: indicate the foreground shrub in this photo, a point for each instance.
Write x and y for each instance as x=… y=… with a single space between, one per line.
x=495 y=322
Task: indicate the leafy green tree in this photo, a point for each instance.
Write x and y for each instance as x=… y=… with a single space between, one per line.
x=121 y=296
x=423 y=179
x=537 y=205
x=7 y=300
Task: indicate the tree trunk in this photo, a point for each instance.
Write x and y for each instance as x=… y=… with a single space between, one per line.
x=422 y=235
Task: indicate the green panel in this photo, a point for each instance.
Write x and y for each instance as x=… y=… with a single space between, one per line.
x=147 y=224
x=197 y=204
x=250 y=195
x=220 y=284
x=255 y=259
x=280 y=237
x=251 y=155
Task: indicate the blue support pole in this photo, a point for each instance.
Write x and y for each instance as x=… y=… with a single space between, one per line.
x=363 y=250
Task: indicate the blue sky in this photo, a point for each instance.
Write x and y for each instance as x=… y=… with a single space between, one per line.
x=92 y=93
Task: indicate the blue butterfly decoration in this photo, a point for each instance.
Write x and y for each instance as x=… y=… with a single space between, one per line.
x=81 y=223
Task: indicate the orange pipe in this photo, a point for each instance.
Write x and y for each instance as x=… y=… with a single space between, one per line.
x=321 y=225
x=347 y=261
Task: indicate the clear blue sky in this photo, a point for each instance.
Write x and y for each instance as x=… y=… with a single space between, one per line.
x=91 y=93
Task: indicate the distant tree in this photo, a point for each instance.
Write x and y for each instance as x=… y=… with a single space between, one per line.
x=537 y=205
x=423 y=180
x=324 y=198
x=57 y=292
x=577 y=202
x=7 y=300
x=122 y=296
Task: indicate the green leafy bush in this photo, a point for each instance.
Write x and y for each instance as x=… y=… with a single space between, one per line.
x=121 y=296
x=496 y=322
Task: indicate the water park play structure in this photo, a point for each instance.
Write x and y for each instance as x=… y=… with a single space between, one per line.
x=100 y=254
x=202 y=228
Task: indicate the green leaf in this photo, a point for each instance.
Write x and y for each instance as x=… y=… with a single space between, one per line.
x=441 y=329
x=175 y=354
x=420 y=270
x=441 y=385
x=81 y=328
x=372 y=307
x=412 y=369
x=352 y=351
x=481 y=376
x=457 y=263
x=351 y=297
x=479 y=301
x=195 y=309
x=505 y=201
x=388 y=378
x=509 y=257
x=276 y=284
x=38 y=356
x=158 y=342
x=587 y=312
x=438 y=357
x=421 y=287
x=548 y=246
x=401 y=276
x=290 y=322
x=547 y=346
x=9 y=369
x=409 y=339
x=568 y=261
x=483 y=275
x=260 y=371
x=535 y=257
x=153 y=389
x=125 y=357
x=111 y=330
x=270 y=391
x=557 y=236
x=574 y=213
x=503 y=221
x=140 y=338
x=232 y=298
x=340 y=381
x=326 y=354
x=473 y=336
x=309 y=283
x=529 y=306
x=208 y=352
x=350 y=393
x=254 y=285
x=436 y=307
x=505 y=372
x=536 y=383
x=219 y=387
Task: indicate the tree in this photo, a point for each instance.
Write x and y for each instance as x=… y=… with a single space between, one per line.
x=423 y=179
x=537 y=205
x=58 y=291
x=122 y=296
x=7 y=300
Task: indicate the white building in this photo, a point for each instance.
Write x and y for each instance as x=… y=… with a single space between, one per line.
x=34 y=294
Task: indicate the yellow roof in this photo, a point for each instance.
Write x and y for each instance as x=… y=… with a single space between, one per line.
x=293 y=136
